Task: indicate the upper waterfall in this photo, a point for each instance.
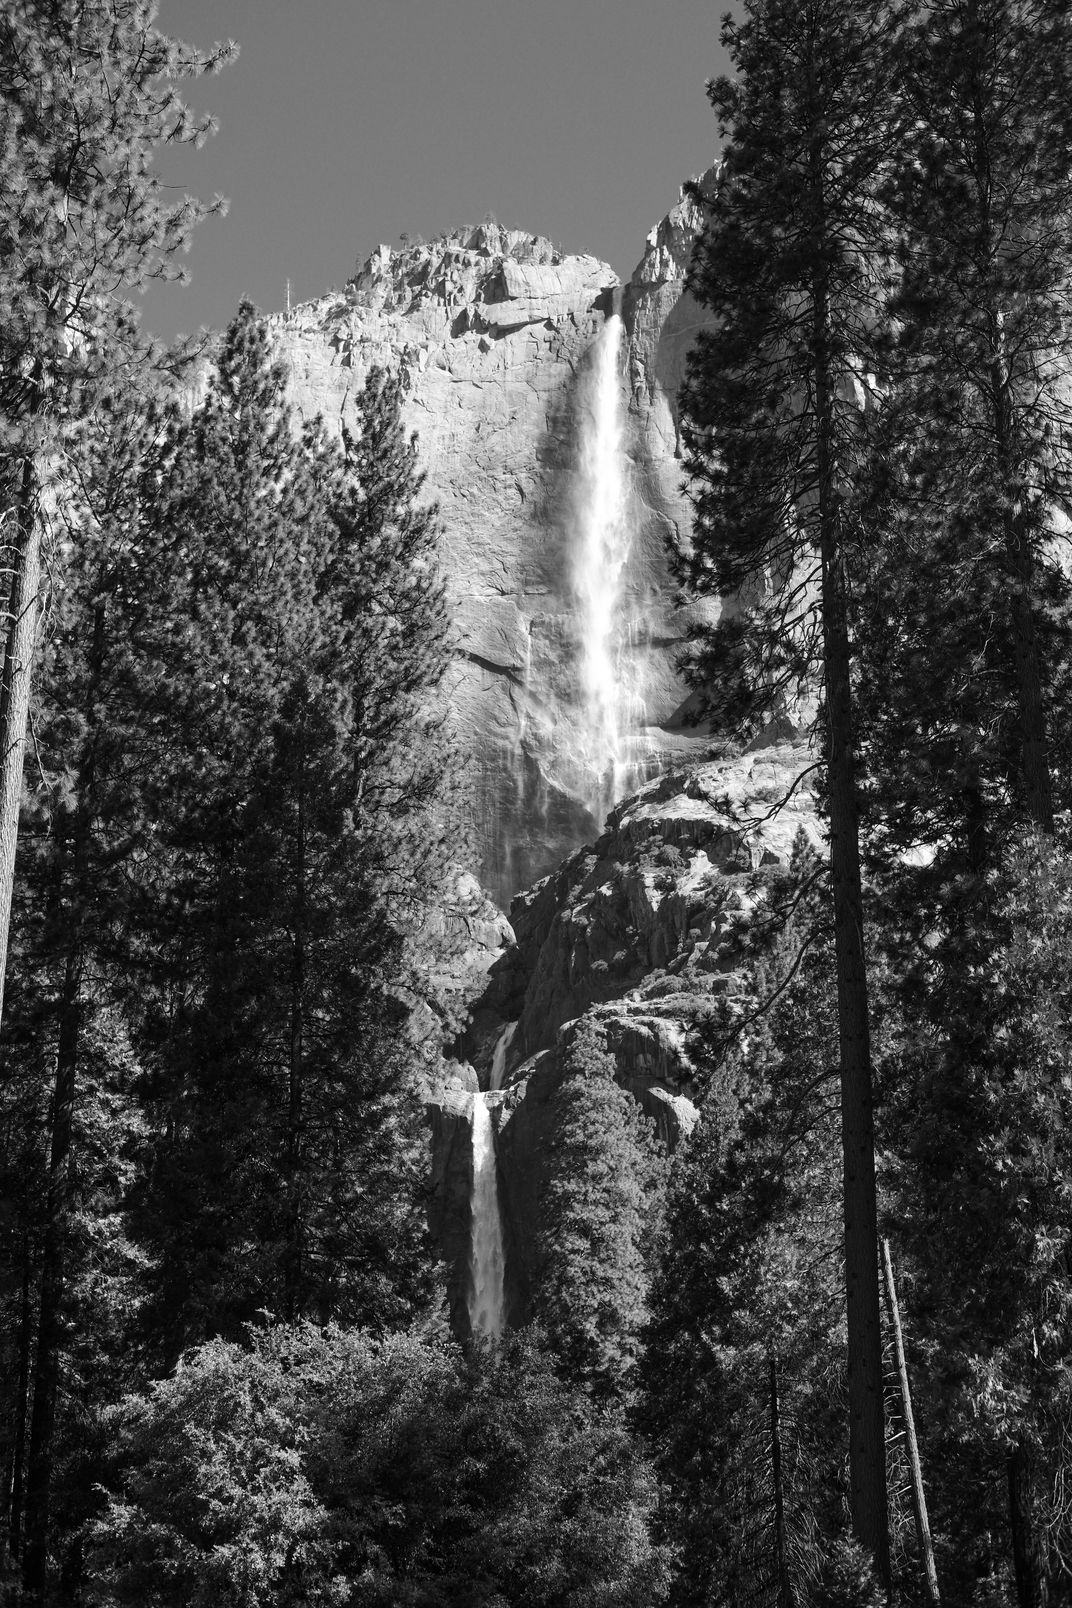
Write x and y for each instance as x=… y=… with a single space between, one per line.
x=506 y=349
x=611 y=708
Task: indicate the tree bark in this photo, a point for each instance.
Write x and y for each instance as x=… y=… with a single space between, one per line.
x=50 y=1330
x=867 y=1441
x=1031 y=1586
x=20 y=636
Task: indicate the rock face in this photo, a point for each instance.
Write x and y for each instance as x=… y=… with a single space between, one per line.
x=503 y=342
x=637 y=930
x=494 y=330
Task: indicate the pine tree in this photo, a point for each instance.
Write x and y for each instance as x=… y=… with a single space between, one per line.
x=86 y=94
x=984 y=200
x=72 y=963
x=238 y=826
x=300 y=840
x=964 y=686
x=789 y=264
x=599 y=1215
x=745 y=1348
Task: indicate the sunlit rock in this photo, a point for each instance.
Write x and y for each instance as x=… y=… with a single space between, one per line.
x=496 y=331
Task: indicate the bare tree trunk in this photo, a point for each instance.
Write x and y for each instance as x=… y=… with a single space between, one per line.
x=919 y=1499
x=20 y=636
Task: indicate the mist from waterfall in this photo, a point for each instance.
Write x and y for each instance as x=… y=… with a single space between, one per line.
x=487 y=1258
x=610 y=708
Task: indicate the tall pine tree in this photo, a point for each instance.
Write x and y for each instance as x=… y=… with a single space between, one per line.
x=87 y=91
x=964 y=691
x=789 y=264
x=303 y=834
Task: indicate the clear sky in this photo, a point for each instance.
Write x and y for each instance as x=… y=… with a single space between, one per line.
x=345 y=123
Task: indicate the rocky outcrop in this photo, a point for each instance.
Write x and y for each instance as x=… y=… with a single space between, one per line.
x=493 y=329
x=640 y=929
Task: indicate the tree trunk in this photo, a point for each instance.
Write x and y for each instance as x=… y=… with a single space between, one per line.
x=50 y=1329
x=867 y=1442
x=919 y=1499
x=1031 y=1589
x=20 y=635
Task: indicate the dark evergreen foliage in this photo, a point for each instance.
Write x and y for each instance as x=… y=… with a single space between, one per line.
x=298 y=838
x=239 y=827
x=791 y=264
x=750 y=1277
x=963 y=699
x=983 y=1216
x=600 y=1209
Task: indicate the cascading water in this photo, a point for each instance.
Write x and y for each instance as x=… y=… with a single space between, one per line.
x=611 y=708
x=498 y=1059
x=487 y=1259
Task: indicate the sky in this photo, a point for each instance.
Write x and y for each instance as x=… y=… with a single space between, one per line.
x=346 y=123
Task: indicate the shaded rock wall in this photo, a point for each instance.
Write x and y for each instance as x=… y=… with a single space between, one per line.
x=638 y=929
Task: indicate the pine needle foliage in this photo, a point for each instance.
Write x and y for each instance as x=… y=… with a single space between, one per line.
x=600 y=1209
x=297 y=643
x=88 y=91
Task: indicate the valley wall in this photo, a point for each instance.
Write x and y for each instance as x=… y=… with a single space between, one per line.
x=492 y=329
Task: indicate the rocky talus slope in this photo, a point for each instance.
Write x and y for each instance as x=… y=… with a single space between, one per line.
x=635 y=929
x=492 y=329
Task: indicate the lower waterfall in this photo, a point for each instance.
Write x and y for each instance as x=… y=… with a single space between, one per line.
x=486 y=1258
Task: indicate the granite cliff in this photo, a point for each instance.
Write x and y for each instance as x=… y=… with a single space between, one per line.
x=637 y=929
x=626 y=881
x=494 y=330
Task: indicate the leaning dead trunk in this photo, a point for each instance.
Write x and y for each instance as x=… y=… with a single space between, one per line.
x=919 y=1499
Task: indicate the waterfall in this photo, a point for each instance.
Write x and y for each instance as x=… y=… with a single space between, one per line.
x=487 y=1260
x=498 y=1059
x=611 y=709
